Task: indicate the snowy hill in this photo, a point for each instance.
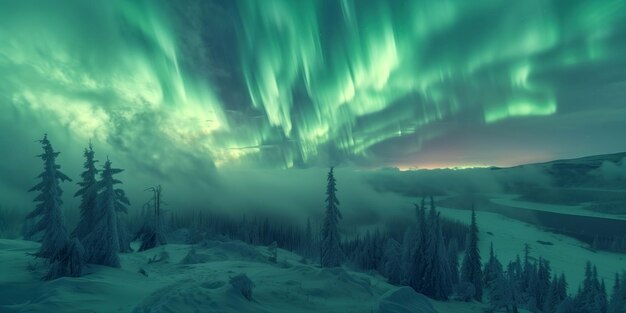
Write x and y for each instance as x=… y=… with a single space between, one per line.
x=199 y=282
x=607 y=171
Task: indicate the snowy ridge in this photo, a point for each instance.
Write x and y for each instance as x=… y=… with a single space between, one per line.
x=176 y=286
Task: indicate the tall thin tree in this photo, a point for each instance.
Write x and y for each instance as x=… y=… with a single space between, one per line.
x=418 y=261
x=453 y=259
x=471 y=270
x=89 y=193
x=102 y=243
x=435 y=277
x=51 y=220
x=331 y=242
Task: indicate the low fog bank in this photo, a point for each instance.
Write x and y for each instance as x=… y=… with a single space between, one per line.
x=368 y=197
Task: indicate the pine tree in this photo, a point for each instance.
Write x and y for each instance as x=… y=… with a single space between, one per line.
x=436 y=276
x=493 y=268
x=471 y=268
x=407 y=248
x=88 y=192
x=410 y=243
x=618 y=297
x=602 y=299
x=102 y=243
x=527 y=271
x=568 y=305
x=445 y=282
x=514 y=276
x=51 y=220
x=330 y=245
x=562 y=288
x=453 y=259
x=552 y=297
x=502 y=294
x=418 y=260
x=591 y=297
x=69 y=262
x=393 y=261
x=542 y=282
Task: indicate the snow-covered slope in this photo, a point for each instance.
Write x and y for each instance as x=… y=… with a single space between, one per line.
x=198 y=284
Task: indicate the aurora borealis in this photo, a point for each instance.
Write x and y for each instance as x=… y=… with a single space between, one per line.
x=196 y=85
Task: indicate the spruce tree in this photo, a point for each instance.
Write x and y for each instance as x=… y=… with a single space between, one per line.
x=48 y=212
x=445 y=284
x=436 y=281
x=552 y=297
x=69 y=262
x=453 y=259
x=502 y=294
x=102 y=243
x=330 y=245
x=562 y=288
x=418 y=261
x=89 y=193
x=618 y=297
x=393 y=262
x=602 y=299
x=542 y=282
x=568 y=306
x=493 y=268
x=591 y=297
x=471 y=270
x=527 y=272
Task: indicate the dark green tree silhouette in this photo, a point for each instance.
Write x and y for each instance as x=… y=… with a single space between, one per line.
x=89 y=193
x=102 y=244
x=51 y=221
x=471 y=270
x=331 y=242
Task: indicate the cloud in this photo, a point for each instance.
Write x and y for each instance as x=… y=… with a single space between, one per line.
x=297 y=84
x=612 y=171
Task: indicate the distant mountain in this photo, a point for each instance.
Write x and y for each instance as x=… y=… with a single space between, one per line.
x=598 y=171
x=594 y=161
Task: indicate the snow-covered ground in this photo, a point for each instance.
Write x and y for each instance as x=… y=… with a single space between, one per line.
x=203 y=285
x=565 y=254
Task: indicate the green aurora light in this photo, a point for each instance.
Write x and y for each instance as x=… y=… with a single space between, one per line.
x=321 y=80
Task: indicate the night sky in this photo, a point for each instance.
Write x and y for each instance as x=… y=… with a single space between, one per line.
x=174 y=90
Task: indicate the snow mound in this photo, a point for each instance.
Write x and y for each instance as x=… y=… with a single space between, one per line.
x=340 y=279
x=405 y=300
x=225 y=250
x=193 y=257
x=193 y=296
